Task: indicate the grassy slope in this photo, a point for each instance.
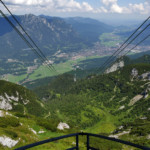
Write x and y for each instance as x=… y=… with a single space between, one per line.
x=105 y=125
x=23 y=131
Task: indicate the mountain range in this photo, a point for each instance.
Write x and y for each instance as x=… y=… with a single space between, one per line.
x=89 y=29
x=50 y=34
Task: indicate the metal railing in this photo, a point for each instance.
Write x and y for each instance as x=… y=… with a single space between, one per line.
x=87 y=141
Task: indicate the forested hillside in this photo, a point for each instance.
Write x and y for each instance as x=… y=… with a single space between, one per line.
x=22 y=117
x=16 y=98
x=115 y=104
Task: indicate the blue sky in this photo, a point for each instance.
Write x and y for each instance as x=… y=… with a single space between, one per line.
x=122 y=2
x=104 y=10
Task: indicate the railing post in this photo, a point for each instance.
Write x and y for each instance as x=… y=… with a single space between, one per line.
x=87 y=142
x=77 y=142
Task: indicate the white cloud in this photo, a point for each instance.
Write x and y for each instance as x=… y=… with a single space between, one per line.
x=103 y=9
x=53 y=5
x=141 y=8
x=87 y=7
x=28 y=2
x=108 y=2
x=115 y=8
x=146 y=8
x=136 y=7
x=62 y=4
x=57 y=6
x=112 y=6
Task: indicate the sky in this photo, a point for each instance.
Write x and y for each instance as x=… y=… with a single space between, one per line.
x=110 y=11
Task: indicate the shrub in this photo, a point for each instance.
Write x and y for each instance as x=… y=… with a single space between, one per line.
x=9 y=121
x=48 y=124
x=25 y=129
x=35 y=108
x=11 y=133
x=18 y=108
x=18 y=114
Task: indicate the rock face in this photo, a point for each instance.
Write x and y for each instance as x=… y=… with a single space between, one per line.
x=115 y=67
x=116 y=136
x=62 y=126
x=6 y=141
x=6 y=101
x=144 y=76
x=15 y=97
x=135 y=99
x=121 y=107
x=5 y=104
x=134 y=72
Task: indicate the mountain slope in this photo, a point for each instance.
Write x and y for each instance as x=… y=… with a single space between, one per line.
x=126 y=34
x=23 y=119
x=50 y=34
x=89 y=29
x=5 y=27
x=18 y=99
x=113 y=104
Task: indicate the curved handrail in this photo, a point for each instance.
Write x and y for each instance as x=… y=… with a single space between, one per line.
x=86 y=134
x=46 y=141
